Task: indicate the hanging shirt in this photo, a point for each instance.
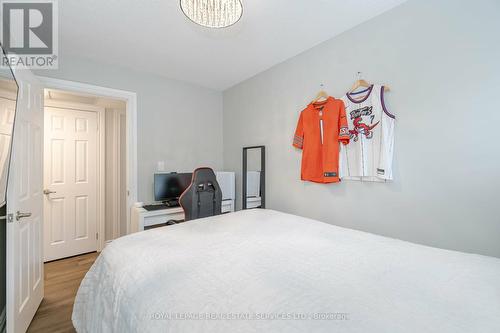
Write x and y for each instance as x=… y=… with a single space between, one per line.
x=321 y=126
x=368 y=156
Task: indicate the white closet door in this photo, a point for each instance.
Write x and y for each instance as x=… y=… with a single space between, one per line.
x=71 y=171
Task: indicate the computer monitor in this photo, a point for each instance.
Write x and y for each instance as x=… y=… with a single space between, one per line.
x=169 y=186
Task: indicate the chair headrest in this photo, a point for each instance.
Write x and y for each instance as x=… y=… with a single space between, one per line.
x=203 y=197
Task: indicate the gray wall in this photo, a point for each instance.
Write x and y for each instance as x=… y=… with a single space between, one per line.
x=441 y=59
x=178 y=123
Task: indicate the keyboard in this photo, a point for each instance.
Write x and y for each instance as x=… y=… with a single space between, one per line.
x=155 y=207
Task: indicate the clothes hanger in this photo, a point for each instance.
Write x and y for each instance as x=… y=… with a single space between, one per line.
x=321 y=94
x=362 y=83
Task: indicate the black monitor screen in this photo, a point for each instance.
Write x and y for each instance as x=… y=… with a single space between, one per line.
x=170 y=186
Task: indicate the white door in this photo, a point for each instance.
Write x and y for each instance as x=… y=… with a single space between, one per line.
x=24 y=207
x=70 y=182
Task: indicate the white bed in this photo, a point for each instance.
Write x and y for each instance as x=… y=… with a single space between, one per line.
x=263 y=264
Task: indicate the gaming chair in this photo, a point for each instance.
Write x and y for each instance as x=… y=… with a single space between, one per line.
x=203 y=197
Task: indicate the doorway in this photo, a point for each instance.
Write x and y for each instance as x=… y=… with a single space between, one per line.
x=85 y=168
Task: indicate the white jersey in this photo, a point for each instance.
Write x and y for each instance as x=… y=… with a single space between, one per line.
x=368 y=156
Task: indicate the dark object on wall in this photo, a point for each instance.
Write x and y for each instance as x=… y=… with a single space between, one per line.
x=254 y=189
x=203 y=197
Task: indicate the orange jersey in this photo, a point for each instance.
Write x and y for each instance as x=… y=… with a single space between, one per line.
x=322 y=125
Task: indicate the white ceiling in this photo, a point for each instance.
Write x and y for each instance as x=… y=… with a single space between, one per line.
x=153 y=36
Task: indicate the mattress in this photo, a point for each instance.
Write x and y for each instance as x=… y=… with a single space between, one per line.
x=266 y=271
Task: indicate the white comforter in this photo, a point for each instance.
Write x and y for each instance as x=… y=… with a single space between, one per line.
x=265 y=271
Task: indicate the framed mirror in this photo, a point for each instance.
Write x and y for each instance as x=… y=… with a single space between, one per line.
x=8 y=99
x=254 y=177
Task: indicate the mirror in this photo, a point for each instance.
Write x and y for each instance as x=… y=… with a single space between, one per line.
x=254 y=177
x=8 y=98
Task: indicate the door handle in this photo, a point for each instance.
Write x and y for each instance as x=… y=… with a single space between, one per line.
x=47 y=192
x=20 y=215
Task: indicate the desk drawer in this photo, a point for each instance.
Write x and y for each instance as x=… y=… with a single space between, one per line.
x=161 y=219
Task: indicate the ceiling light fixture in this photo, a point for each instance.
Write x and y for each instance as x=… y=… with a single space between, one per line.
x=213 y=13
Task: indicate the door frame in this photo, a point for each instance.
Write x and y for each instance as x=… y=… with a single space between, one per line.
x=116 y=155
x=101 y=161
x=130 y=98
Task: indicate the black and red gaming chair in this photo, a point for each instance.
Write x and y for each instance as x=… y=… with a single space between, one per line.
x=203 y=197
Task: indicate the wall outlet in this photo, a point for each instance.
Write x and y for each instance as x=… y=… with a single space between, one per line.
x=160 y=166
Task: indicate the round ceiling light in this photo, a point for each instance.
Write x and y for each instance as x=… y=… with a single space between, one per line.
x=213 y=13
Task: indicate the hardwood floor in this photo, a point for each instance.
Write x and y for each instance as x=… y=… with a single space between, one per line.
x=62 y=279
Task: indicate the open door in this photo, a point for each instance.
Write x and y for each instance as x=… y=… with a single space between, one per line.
x=24 y=206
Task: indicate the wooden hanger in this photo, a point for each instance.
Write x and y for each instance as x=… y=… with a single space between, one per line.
x=362 y=83
x=321 y=94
